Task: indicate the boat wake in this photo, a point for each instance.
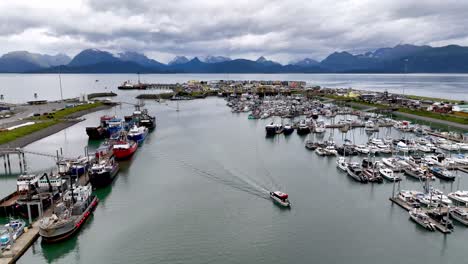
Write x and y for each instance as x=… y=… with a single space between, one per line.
x=233 y=181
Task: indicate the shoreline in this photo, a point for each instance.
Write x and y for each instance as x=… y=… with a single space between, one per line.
x=70 y=120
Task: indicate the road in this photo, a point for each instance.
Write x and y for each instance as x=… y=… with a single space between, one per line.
x=433 y=120
x=24 y=111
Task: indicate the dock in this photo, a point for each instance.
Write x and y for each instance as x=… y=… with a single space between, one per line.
x=22 y=244
x=408 y=207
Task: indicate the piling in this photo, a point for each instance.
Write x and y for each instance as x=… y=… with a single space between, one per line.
x=4 y=164
x=20 y=162
x=9 y=165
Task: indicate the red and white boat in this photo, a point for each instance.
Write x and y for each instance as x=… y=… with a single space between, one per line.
x=280 y=198
x=124 y=149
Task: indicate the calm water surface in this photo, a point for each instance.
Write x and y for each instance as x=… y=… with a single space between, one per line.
x=193 y=193
x=19 y=88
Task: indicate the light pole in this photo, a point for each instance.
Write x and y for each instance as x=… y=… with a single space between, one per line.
x=406 y=72
x=60 y=83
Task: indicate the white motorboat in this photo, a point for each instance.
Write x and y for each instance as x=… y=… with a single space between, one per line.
x=342 y=164
x=421 y=218
x=362 y=149
x=459 y=214
x=459 y=198
x=280 y=198
x=388 y=174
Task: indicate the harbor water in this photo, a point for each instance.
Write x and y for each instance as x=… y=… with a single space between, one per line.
x=19 y=88
x=196 y=192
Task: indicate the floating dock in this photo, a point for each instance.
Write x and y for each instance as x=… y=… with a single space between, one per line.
x=408 y=207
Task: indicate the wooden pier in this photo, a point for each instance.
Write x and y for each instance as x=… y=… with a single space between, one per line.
x=408 y=207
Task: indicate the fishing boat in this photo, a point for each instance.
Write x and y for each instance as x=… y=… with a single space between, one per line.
x=124 y=149
x=280 y=198
x=460 y=214
x=69 y=215
x=388 y=174
x=442 y=173
x=101 y=131
x=137 y=134
x=355 y=172
x=114 y=125
x=421 y=218
x=145 y=119
x=103 y=172
x=342 y=164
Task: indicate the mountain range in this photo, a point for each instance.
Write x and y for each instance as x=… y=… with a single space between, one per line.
x=399 y=59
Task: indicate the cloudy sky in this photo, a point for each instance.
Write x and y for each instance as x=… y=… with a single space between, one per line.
x=283 y=30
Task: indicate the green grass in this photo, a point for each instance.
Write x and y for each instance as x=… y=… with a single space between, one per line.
x=447 y=117
x=44 y=121
x=416 y=97
x=356 y=100
x=7 y=136
x=60 y=114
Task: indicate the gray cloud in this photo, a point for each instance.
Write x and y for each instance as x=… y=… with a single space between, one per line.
x=282 y=30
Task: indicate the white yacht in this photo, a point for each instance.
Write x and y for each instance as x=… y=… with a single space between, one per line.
x=459 y=198
x=459 y=214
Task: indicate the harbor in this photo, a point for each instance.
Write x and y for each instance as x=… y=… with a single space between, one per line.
x=58 y=203
x=236 y=165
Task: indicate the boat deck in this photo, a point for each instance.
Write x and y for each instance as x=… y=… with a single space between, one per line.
x=9 y=200
x=408 y=207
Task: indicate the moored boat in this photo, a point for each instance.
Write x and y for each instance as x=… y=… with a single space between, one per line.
x=421 y=218
x=355 y=172
x=341 y=163
x=388 y=174
x=460 y=214
x=137 y=134
x=69 y=215
x=288 y=129
x=103 y=172
x=124 y=149
x=303 y=128
x=442 y=174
